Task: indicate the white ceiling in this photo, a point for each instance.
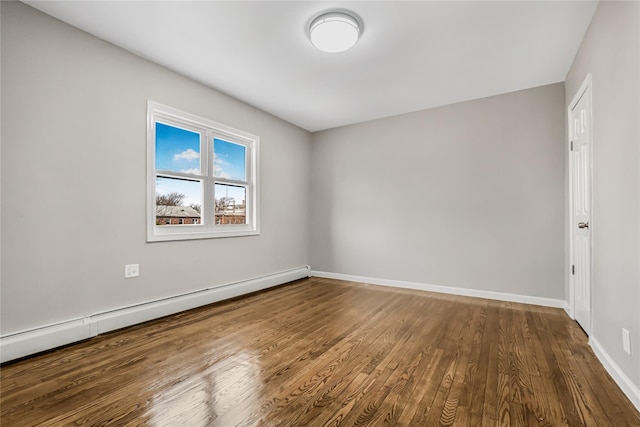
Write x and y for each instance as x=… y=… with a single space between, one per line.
x=412 y=55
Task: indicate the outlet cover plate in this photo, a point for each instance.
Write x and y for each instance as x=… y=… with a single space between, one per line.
x=131 y=270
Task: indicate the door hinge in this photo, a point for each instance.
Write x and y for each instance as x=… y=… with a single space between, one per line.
x=571 y=145
x=573 y=270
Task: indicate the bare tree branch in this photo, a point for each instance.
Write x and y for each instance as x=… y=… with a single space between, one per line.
x=170 y=199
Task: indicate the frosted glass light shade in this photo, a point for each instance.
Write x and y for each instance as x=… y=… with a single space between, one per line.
x=334 y=32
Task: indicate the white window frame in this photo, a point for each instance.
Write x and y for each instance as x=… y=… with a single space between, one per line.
x=208 y=130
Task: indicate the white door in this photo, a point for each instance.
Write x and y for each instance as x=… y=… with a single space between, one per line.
x=580 y=166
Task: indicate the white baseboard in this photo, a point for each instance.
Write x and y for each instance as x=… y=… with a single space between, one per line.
x=500 y=296
x=624 y=382
x=44 y=338
x=24 y=343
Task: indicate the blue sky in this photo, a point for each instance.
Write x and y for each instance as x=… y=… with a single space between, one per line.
x=229 y=160
x=179 y=150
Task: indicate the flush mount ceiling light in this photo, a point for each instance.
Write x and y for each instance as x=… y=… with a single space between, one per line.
x=334 y=32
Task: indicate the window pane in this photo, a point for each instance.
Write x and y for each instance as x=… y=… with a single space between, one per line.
x=231 y=207
x=229 y=160
x=177 y=149
x=178 y=201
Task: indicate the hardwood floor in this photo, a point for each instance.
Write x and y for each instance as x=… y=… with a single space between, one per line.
x=323 y=352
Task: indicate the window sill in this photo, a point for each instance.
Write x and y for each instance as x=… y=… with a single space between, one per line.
x=172 y=234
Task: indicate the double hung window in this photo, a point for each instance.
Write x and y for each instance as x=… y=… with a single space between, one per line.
x=202 y=177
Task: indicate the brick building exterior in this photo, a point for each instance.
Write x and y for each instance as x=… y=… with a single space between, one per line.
x=176 y=215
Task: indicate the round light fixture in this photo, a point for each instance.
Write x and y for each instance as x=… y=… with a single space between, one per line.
x=334 y=32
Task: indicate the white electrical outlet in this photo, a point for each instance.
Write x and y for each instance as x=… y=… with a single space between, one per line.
x=626 y=341
x=131 y=270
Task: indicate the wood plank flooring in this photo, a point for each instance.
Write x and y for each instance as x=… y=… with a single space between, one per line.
x=322 y=352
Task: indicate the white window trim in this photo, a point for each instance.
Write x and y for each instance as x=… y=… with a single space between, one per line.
x=206 y=229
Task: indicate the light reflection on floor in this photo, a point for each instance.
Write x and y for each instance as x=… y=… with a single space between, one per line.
x=206 y=399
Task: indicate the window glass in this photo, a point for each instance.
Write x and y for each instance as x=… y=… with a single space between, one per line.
x=229 y=160
x=230 y=204
x=177 y=149
x=176 y=200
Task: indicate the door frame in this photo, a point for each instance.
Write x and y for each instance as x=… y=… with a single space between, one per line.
x=585 y=89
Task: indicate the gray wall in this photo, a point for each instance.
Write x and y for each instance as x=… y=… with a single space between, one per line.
x=73 y=179
x=469 y=195
x=610 y=52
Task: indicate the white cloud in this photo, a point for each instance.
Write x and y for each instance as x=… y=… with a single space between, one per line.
x=188 y=154
x=220 y=173
x=194 y=171
x=218 y=169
